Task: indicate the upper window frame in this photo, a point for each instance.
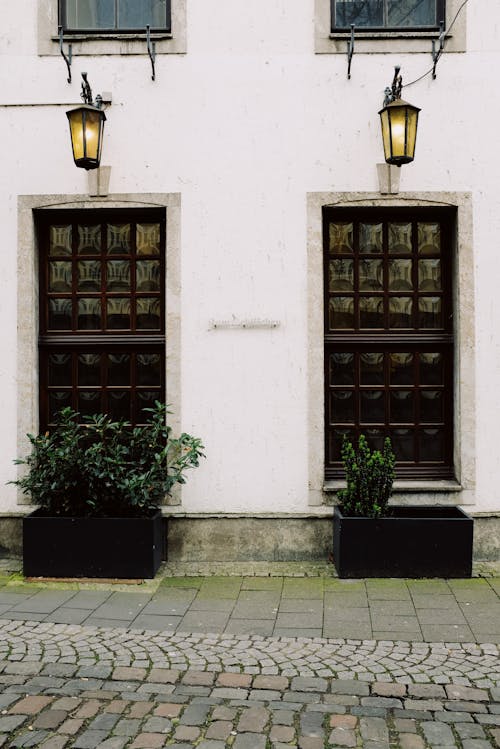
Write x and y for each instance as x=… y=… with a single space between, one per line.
x=400 y=40
x=110 y=42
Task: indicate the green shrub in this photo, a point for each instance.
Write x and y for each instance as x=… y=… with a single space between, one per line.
x=369 y=476
x=105 y=468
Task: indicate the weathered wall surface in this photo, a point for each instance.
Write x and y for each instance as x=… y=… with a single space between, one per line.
x=243 y=127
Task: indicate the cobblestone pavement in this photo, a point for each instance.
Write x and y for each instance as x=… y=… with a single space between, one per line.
x=72 y=686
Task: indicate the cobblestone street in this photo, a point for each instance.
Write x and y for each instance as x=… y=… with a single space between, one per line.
x=117 y=687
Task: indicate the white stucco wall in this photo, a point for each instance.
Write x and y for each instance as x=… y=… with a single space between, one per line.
x=243 y=126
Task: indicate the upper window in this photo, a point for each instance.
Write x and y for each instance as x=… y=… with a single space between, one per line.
x=92 y=16
x=387 y=14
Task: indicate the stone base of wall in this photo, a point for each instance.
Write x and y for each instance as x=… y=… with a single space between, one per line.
x=266 y=539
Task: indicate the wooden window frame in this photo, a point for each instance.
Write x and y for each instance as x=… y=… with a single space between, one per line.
x=114 y=30
x=134 y=341
x=388 y=340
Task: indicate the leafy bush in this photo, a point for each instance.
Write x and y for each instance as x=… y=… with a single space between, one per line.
x=105 y=468
x=370 y=476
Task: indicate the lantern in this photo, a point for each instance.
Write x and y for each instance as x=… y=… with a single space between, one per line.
x=86 y=124
x=399 y=125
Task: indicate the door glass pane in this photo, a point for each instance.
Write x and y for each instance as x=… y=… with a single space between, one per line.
x=342 y=369
x=119 y=369
x=89 y=402
x=89 y=275
x=335 y=442
x=371 y=275
x=90 y=14
x=371 y=369
x=89 y=369
x=401 y=406
x=119 y=404
x=136 y=14
x=119 y=239
x=430 y=312
x=60 y=276
x=60 y=239
x=431 y=444
x=60 y=369
x=400 y=275
x=148 y=275
x=341 y=275
x=375 y=438
x=58 y=399
x=118 y=278
x=359 y=12
x=400 y=312
x=340 y=238
x=429 y=275
x=431 y=406
x=341 y=312
x=399 y=237
x=429 y=239
x=370 y=238
x=411 y=13
x=431 y=369
x=89 y=239
x=59 y=314
x=148 y=369
x=89 y=314
x=402 y=369
x=341 y=406
x=402 y=444
x=372 y=404
x=148 y=239
x=118 y=314
x=371 y=312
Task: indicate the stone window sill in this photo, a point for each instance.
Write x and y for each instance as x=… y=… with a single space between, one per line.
x=404 y=486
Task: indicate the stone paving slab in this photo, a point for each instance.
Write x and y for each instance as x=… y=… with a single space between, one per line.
x=65 y=686
x=413 y=610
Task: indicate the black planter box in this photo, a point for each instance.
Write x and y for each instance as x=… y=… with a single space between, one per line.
x=92 y=547
x=413 y=542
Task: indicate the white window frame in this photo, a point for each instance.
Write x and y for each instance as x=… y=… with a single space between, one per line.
x=400 y=41
x=110 y=43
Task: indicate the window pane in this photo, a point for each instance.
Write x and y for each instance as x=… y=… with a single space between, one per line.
x=402 y=369
x=118 y=239
x=341 y=312
x=402 y=444
x=431 y=369
x=148 y=369
x=89 y=275
x=431 y=406
x=341 y=406
x=371 y=312
x=89 y=402
x=372 y=369
x=118 y=275
x=430 y=312
x=58 y=399
x=118 y=314
x=429 y=275
x=90 y=14
x=429 y=239
x=432 y=445
x=146 y=399
x=342 y=369
x=60 y=239
x=375 y=438
x=119 y=404
x=400 y=312
x=370 y=238
x=148 y=239
x=341 y=276
x=412 y=13
x=400 y=237
x=340 y=238
x=371 y=275
x=89 y=369
x=89 y=240
x=89 y=314
x=372 y=406
x=59 y=314
x=360 y=12
x=119 y=369
x=60 y=277
x=402 y=406
x=336 y=439
x=400 y=275
x=148 y=314
x=148 y=275
x=137 y=14
x=60 y=369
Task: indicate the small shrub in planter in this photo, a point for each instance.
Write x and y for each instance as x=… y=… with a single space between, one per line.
x=374 y=539
x=94 y=471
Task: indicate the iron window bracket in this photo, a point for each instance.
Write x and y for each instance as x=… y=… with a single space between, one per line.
x=67 y=57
